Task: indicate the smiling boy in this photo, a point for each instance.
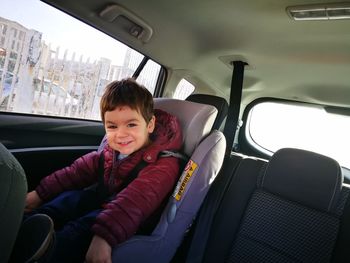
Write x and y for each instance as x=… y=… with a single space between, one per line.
x=126 y=129
x=135 y=132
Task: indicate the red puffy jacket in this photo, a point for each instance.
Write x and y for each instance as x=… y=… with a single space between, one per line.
x=134 y=204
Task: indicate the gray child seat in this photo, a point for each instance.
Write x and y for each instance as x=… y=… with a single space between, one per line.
x=206 y=152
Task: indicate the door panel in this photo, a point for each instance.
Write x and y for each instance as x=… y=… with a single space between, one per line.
x=44 y=144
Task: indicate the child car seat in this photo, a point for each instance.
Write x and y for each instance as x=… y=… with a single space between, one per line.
x=220 y=104
x=206 y=153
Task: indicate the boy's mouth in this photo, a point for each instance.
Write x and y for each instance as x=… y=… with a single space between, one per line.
x=124 y=143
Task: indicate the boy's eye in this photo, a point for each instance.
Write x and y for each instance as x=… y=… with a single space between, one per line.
x=130 y=125
x=111 y=126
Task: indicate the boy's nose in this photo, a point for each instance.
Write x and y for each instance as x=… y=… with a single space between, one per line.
x=121 y=133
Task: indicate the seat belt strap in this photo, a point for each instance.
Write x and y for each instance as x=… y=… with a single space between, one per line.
x=234 y=105
x=167 y=153
x=102 y=189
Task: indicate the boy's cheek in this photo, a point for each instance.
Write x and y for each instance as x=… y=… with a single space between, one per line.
x=109 y=137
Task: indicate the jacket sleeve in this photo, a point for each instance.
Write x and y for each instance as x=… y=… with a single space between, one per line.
x=123 y=216
x=82 y=173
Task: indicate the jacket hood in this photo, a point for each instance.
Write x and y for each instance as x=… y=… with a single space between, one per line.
x=167 y=135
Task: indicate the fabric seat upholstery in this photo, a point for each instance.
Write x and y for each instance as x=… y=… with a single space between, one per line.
x=13 y=189
x=218 y=102
x=206 y=153
x=287 y=210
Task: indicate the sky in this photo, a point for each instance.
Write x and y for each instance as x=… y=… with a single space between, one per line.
x=59 y=29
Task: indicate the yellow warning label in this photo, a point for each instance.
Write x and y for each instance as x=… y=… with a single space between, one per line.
x=185 y=177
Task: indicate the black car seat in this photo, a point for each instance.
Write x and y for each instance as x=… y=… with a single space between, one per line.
x=13 y=189
x=286 y=210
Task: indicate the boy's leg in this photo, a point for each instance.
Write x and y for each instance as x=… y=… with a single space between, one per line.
x=73 y=240
x=68 y=206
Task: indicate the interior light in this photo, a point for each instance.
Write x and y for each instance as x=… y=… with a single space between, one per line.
x=339 y=13
x=320 y=12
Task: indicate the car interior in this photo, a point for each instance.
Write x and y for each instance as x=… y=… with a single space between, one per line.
x=265 y=113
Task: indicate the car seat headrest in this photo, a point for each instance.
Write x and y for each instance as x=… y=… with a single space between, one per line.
x=304 y=177
x=196 y=119
x=218 y=102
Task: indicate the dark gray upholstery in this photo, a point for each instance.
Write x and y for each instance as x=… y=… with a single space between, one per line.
x=13 y=189
x=304 y=177
x=292 y=215
x=341 y=250
x=288 y=210
x=277 y=230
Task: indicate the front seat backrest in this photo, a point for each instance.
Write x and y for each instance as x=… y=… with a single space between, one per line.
x=206 y=157
x=292 y=213
x=13 y=189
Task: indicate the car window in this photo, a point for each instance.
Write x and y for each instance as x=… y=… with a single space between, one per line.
x=60 y=66
x=183 y=89
x=275 y=125
x=149 y=75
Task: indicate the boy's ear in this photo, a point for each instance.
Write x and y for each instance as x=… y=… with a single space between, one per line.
x=151 y=124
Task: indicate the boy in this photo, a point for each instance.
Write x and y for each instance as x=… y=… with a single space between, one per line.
x=83 y=220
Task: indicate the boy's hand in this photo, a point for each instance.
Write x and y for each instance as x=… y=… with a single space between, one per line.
x=32 y=201
x=99 y=251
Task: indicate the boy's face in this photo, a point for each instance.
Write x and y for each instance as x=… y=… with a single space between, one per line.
x=127 y=130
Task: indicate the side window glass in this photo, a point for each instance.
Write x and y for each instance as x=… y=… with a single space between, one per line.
x=183 y=90
x=149 y=75
x=274 y=125
x=60 y=66
x=128 y=66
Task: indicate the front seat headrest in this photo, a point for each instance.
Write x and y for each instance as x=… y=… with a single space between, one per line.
x=305 y=177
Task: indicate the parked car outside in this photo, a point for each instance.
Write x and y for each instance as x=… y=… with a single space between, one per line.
x=50 y=98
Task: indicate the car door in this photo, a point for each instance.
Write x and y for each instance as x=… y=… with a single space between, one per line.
x=44 y=144
x=50 y=92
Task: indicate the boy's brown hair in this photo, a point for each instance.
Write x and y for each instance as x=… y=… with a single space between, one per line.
x=127 y=92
